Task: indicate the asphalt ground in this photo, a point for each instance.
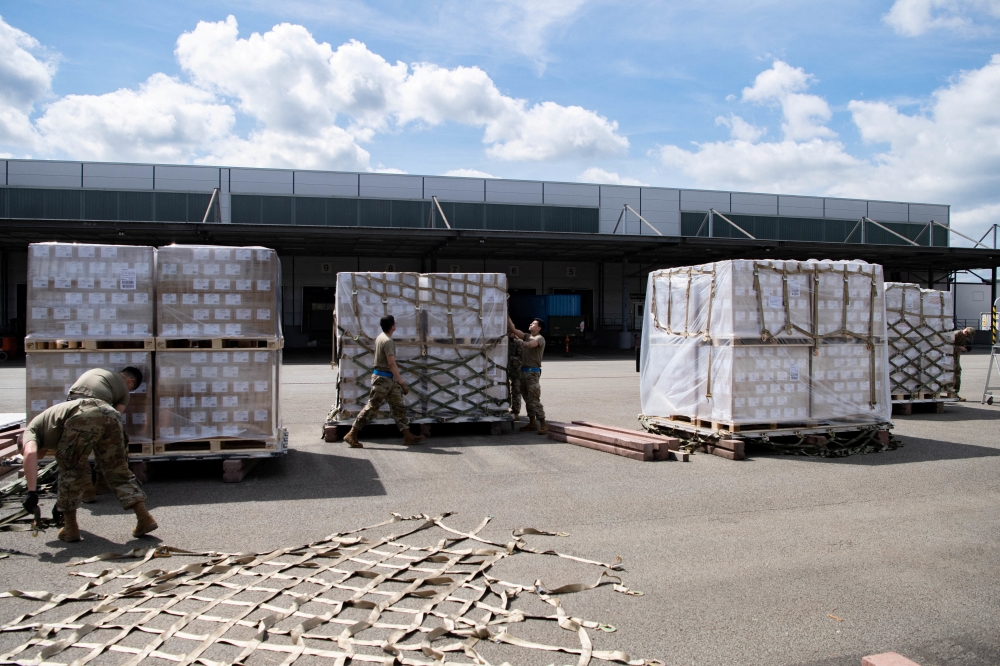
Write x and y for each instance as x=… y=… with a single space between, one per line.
x=740 y=562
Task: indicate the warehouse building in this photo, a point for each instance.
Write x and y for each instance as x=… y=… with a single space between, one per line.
x=598 y=241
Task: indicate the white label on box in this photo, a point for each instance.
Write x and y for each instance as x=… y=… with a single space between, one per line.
x=261 y=357
x=241 y=357
x=188 y=401
x=96 y=329
x=109 y=313
x=199 y=357
x=200 y=253
x=188 y=431
x=220 y=417
x=119 y=329
x=168 y=269
x=263 y=315
x=241 y=416
x=40 y=250
x=241 y=255
x=64 y=283
x=233 y=299
x=142 y=269
x=168 y=372
x=230 y=401
x=222 y=314
x=189 y=269
x=64 y=251
x=119 y=266
x=39 y=313
x=199 y=387
x=243 y=285
x=234 y=329
x=263 y=285
x=88 y=283
x=230 y=431
x=188 y=372
x=170 y=329
x=260 y=385
x=210 y=371
x=187 y=299
x=232 y=269
x=230 y=371
x=220 y=357
x=210 y=299
x=140 y=357
x=263 y=255
x=166 y=432
x=61 y=313
x=138 y=418
x=74 y=329
x=241 y=387
x=38 y=405
x=84 y=313
x=201 y=284
x=209 y=401
x=211 y=269
x=119 y=299
x=209 y=431
x=120 y=358
x=74 y=298
x=72 y=359
x=85 y=251
x=222 y=285
x=74 y=267
x=220 y=387
x=213 y=329
x=774 y=301
x=199 y=417
x=222 y=254
x=61 y=374
x=98 y=267
x=793 y=373
x=108 y=252
x=189 y=329
x=794 y=290
x=127 y=279
x=39 y=373
x=96 y=298
x=170 y=299
x=199 y=314
x=140 y=298
x=40 y=283
x=260 y=415
x=243 y=313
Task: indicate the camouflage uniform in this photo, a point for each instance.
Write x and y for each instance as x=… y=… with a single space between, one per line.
x=384 y=389
x=514 y=347
x=531 y=387
x=95 y=427
x=960 y=340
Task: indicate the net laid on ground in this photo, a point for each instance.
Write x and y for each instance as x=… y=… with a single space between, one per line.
x=386 y=593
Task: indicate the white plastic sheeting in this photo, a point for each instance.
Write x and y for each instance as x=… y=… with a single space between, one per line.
x=451 y=344
x=921 y=340
x=766 y=342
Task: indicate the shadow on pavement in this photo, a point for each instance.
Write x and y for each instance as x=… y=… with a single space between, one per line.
x=914 y=450
x=92 y=544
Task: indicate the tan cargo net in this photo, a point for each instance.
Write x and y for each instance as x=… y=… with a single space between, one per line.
x=351 y=597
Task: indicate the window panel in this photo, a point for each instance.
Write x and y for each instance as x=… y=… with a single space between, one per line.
x=171 y=207
x=135 y=206
x=375 y=212
x=26 y=203
x=276 y=210
x=411 y=214
x=342 y=212
x=197 y=203
x=245 y=209
x=100 y=205
x=310 y=211
x=467 y=216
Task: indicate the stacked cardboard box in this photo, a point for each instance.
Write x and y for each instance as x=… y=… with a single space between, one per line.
x=451 y=344
x=921 y=342
x=766 y=342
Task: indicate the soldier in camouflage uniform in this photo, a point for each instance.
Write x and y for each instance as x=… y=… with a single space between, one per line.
x=514 y=348
x=73 y=430
x=531 y=373
x=387 y=386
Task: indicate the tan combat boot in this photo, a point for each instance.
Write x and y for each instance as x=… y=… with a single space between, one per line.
x=89 y=493
x=532 y=425
x=70 y=531
x=543 y=428
x=144 y=523
x=409 y=438
x=352 y=439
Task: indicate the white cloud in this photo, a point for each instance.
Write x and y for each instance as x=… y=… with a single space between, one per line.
x=915 y=17
x=528 y=24
x=741 y=129
x=25 y=78
x=598 y=175
x=469 y=173
x=804 y=114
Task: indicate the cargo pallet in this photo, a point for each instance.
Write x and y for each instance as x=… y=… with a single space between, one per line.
x=236 y=462
x=822 y=438
x=335 y=430
x=903 y=403
x=90 y=344
x=181 y=344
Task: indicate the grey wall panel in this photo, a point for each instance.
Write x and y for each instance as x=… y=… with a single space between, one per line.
x=613 y=200
x=260 y=181
x=513 y=191
x=103 y=176
x=924 y=213
x=701 y=200
x=455 y=189
x=4 y=174
x=845 y=209
x=326 y=184
x=225 y=198
x=888 y=211
x=187 y=178
x=391 y=186
x=40 y=173
x=753 y=204
x=800 y=206
x=661 y=207
x=572 y=194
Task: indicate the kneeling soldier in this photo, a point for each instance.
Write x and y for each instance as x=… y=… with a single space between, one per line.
x=531 y=373
x=387 y=386
x=73 y=429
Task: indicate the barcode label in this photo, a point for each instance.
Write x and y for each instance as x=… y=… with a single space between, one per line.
x=126 y=279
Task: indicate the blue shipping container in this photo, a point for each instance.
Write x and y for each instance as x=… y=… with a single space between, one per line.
x=562 y=305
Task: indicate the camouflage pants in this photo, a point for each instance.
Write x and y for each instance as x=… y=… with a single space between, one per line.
x=384 y=389
x=514 y=385
x=531 y=387
x=958 y=375
x=95 y=428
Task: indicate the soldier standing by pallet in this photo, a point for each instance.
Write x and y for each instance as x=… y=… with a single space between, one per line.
x=962 y=338
x=531 y=373
x=73 y=429
x=515 y=349
x=387 y=386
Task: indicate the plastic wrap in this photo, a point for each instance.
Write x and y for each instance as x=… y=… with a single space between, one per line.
x=921 y=341
x=213 y=394
x=451 y=344
x=206 y=291
x=80 y=291
x=766 y=342
x=50 y=374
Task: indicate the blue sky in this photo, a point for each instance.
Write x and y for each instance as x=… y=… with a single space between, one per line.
x=898 y=99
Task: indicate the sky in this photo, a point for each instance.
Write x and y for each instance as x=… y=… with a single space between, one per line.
x=879 y=99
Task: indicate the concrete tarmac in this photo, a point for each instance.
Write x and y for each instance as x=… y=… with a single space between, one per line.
x=741 y=563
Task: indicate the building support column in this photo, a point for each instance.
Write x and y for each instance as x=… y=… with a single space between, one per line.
x=993 y=305
x=625 y=313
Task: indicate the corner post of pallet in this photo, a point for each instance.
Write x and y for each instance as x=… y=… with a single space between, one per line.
x=139 y=470
x=234 y=469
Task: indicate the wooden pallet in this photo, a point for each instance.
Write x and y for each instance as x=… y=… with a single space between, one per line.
x=704 y=429
x=729 y=426
x=136 y=344
x=140 y=448
x=219 y=445
x=634 y=444
x=180 y=344
x=925 y=396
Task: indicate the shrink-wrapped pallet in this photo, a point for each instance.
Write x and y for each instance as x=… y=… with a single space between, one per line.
x=921 y=341
x=213 y=394
x=50 y=374
x=80 y=291
x=451 y=344
x=766 y=342
x=213 y=292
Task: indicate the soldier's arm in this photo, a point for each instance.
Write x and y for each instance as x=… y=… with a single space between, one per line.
x=121 y=408
x=391 y=360
x=531 y=344
x=30 y=464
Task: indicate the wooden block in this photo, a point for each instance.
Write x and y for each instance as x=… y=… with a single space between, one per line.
x=332 y=433
x=604 y=437
x=496 y=428
x=233 y=471
x=887 y=659
x=672 y=442
x=425 y=429
x=903 y=408
x=939 y=408
x=600 y=446
x=735 y=445
x=883 y=436
x=816 y=440
x=723 y=453
x=139 y=470
x=679 y=456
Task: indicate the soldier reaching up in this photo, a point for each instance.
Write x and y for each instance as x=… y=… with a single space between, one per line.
x=531 y=373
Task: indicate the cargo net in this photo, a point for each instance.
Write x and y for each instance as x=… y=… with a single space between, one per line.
x=353 y=597
x=451 y=344
x=13 y=518
x=921 y=344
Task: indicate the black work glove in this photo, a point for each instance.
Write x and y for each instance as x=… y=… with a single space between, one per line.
x=30 y=502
